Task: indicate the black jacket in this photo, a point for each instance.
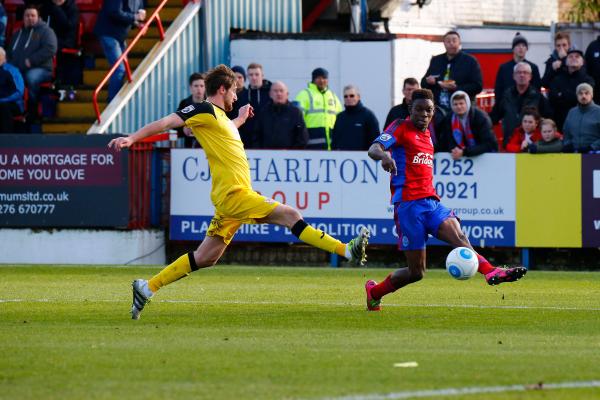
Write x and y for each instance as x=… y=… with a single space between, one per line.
x=64 y=21
x=242 y=100
x=592 y=64
x=549 y=72
x=258 y=98
x=562 y=93
x=280 y=126
x=481 y=126
x=355 y=129
x=464 y=69
x=504 y=78
x=509 y=109
x=398 y=111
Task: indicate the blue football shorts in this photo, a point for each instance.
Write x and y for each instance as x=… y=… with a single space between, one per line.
x=416 y=219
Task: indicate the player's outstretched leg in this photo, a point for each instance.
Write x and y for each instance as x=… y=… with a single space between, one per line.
x=397 y=279
x=141 y=296
x=357 y=247
x=450 y=232
x=501 y=275
x=207 y=254
x=372 y=304
x=354 y=251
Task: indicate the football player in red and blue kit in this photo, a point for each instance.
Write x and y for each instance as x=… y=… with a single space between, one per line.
x=406 y=152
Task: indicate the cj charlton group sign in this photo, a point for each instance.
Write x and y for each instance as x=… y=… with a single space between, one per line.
x=62 y=181
x=340 y=192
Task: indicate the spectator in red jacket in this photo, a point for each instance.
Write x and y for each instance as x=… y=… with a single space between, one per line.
x=526 y=134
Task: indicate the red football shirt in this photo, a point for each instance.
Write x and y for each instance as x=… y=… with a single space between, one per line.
x=412 y=149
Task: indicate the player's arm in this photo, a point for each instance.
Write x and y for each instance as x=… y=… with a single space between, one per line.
x=171 y=121
x=378 y=153
x=245 y=112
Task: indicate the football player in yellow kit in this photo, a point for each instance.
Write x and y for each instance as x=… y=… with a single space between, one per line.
x=232 y=195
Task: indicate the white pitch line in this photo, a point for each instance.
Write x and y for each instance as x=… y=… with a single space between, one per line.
x=469 y=390
x=292 y=303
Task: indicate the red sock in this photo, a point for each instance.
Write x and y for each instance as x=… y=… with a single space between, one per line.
x=484 y=265
x=383 y=288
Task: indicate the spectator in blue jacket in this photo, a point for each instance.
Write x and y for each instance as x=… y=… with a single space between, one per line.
x=582 y=126
x=114 y=22
x=356 y=127
x=12 y=89
x=451 y=71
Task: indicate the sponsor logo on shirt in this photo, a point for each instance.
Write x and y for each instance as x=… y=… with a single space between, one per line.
x=424 y=159
x=384 y=137
x=188 y=109
x=405 y=241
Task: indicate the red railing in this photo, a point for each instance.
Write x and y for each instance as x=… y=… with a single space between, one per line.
x=140 y=181
x=485 y=100
x=123 y=58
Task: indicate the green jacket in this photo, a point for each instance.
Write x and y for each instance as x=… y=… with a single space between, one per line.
x=320 y=110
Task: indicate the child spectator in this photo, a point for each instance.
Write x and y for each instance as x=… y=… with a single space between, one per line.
x=526 y=134
x=551 y=141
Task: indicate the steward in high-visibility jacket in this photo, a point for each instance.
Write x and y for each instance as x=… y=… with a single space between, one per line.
x=320 y=107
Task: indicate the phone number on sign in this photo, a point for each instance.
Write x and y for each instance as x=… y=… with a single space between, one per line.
x=445 y=167
x=27 y=209
x=456 y=190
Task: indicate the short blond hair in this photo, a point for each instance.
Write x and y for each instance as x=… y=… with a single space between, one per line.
x=548 y=121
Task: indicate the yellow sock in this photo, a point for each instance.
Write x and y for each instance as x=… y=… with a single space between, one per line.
x=318 y=238
x=176 y=270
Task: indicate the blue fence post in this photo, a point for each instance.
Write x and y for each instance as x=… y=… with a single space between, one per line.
x=526 y=257
x=335 y=260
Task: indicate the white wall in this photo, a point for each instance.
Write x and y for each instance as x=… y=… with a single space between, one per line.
x=81 y=246
x=411 y=59
x=367 y=65
x=443 y=14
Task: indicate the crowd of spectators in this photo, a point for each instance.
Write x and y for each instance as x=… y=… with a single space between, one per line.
x=532 y=109
x=531 y=118
x=33 y=55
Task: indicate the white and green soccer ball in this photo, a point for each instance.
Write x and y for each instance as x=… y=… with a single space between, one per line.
x=462 y=263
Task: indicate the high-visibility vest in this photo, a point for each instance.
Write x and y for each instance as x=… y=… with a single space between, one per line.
x=320 y=110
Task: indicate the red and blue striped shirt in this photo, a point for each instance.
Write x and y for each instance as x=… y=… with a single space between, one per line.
x=412 y=150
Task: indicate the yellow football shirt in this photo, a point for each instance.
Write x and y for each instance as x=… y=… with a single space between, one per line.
x=224 y=149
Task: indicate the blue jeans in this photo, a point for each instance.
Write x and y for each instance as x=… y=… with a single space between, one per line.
x=33 y=78
x=112 y=50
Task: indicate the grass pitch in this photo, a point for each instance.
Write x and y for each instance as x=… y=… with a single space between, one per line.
x=292 y=333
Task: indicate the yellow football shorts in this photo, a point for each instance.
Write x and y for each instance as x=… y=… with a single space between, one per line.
x=242 y=206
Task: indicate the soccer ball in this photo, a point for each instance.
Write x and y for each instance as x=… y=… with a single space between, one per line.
x=462 y=263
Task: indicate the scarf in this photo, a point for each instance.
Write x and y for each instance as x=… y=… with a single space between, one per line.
x=461 y=132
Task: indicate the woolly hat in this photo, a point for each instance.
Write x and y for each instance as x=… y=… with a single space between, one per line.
x=320 y=72
x=239 y=70
x=519 y=39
